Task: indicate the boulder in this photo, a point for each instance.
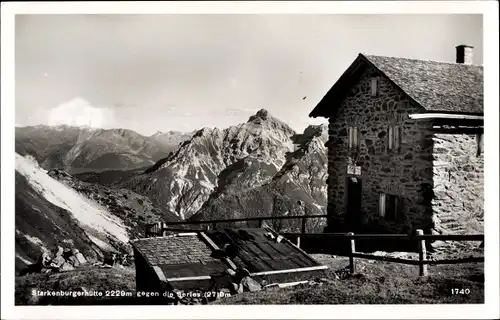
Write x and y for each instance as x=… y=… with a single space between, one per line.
x=74 y=261
x=250 y=284
x=66 y=266
x=57 y=262
x=58 y=251
x=79 y=256
x=44 y=260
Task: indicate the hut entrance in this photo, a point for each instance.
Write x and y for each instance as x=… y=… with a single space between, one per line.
x=353 y=200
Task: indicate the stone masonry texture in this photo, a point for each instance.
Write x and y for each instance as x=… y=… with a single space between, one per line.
x=410 y=173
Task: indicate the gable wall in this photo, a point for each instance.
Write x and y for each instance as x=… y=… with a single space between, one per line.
x=407 y=174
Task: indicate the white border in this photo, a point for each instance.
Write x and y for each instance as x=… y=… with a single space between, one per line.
x=489 y=310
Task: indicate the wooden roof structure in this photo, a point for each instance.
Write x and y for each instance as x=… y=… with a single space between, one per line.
x=189 y=260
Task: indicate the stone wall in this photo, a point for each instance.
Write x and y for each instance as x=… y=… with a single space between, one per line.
x=408 y=173
x=458 y=204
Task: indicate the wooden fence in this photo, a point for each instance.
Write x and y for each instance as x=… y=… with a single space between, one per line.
x=158 y=229
x=419 y=237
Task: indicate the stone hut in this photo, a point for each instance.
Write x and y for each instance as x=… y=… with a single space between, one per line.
x=405 y=148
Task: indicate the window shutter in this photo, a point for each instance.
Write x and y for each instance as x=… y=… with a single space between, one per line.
x=374 y=87
x=396 y=207
x=400 y=208
x=381 y=203
x=350 y=137
x=358 y=138
x=391 y=137
x=397 y=137
x=354 y=137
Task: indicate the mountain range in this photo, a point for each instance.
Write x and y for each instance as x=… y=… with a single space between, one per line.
x=115 y=181
x=85 y=149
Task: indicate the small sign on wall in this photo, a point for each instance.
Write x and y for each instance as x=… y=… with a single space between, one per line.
x=353 y=169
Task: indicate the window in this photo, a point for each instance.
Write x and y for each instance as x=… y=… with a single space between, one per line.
x=354 y=138
x=394 y=138
x=480 y=144
x=374 y=87
x=389 y=206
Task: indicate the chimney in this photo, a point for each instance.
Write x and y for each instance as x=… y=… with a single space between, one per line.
x=465 y=54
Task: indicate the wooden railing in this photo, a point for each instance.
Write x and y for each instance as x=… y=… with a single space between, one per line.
x=419 y=237
x=158 y=229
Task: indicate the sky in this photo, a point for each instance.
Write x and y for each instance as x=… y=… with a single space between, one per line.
x=183 y=72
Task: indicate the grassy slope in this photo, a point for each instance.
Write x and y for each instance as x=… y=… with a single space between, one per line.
x=90 y=278
x=378 y=283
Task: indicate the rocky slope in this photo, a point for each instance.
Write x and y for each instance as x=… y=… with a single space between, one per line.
x=54 y=208
x=301 y=178
x=83 y=149
x=262 y=158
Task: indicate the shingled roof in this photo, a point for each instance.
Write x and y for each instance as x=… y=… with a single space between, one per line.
x=189 y=260
x=436 y=86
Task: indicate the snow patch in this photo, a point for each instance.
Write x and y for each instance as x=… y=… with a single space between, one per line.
x=101 y=244
x=88 y=213
x=318 y=206
x=36 y=241
x=26 y=261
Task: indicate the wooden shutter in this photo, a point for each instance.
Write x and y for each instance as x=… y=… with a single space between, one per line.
x=374 y=87
x=351 y=133
x=391 y=137
x=397 y=138
x=381 y=203
x=396 y=207
x=357 y=137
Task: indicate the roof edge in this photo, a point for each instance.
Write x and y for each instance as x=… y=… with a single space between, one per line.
x=392 y=82
x=317 y=111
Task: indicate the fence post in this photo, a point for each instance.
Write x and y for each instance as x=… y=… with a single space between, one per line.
x=352 y=249
x=422 y=254
x=298 y=241
x=303 y=229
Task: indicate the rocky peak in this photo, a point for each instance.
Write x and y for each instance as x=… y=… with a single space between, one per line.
x=262 y=114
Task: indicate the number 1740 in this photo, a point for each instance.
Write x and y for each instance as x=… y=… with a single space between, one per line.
x=460 y=291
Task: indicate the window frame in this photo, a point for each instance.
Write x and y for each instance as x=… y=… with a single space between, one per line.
x=353 y=138
x=384 y=203
x=394 y=138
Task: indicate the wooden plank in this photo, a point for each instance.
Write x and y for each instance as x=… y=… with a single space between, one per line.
x=383 y=258
x=245 y=219
x=346 y=235
x=430 y=237
x=456 y=237
x=288 y=271
x=422 y=255
x=455 y=261
x=292 y=245
x=216 y=248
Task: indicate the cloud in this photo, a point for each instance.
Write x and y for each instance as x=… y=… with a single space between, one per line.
x=79 y=112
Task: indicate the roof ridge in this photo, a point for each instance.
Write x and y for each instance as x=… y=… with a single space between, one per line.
x=424 y=60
